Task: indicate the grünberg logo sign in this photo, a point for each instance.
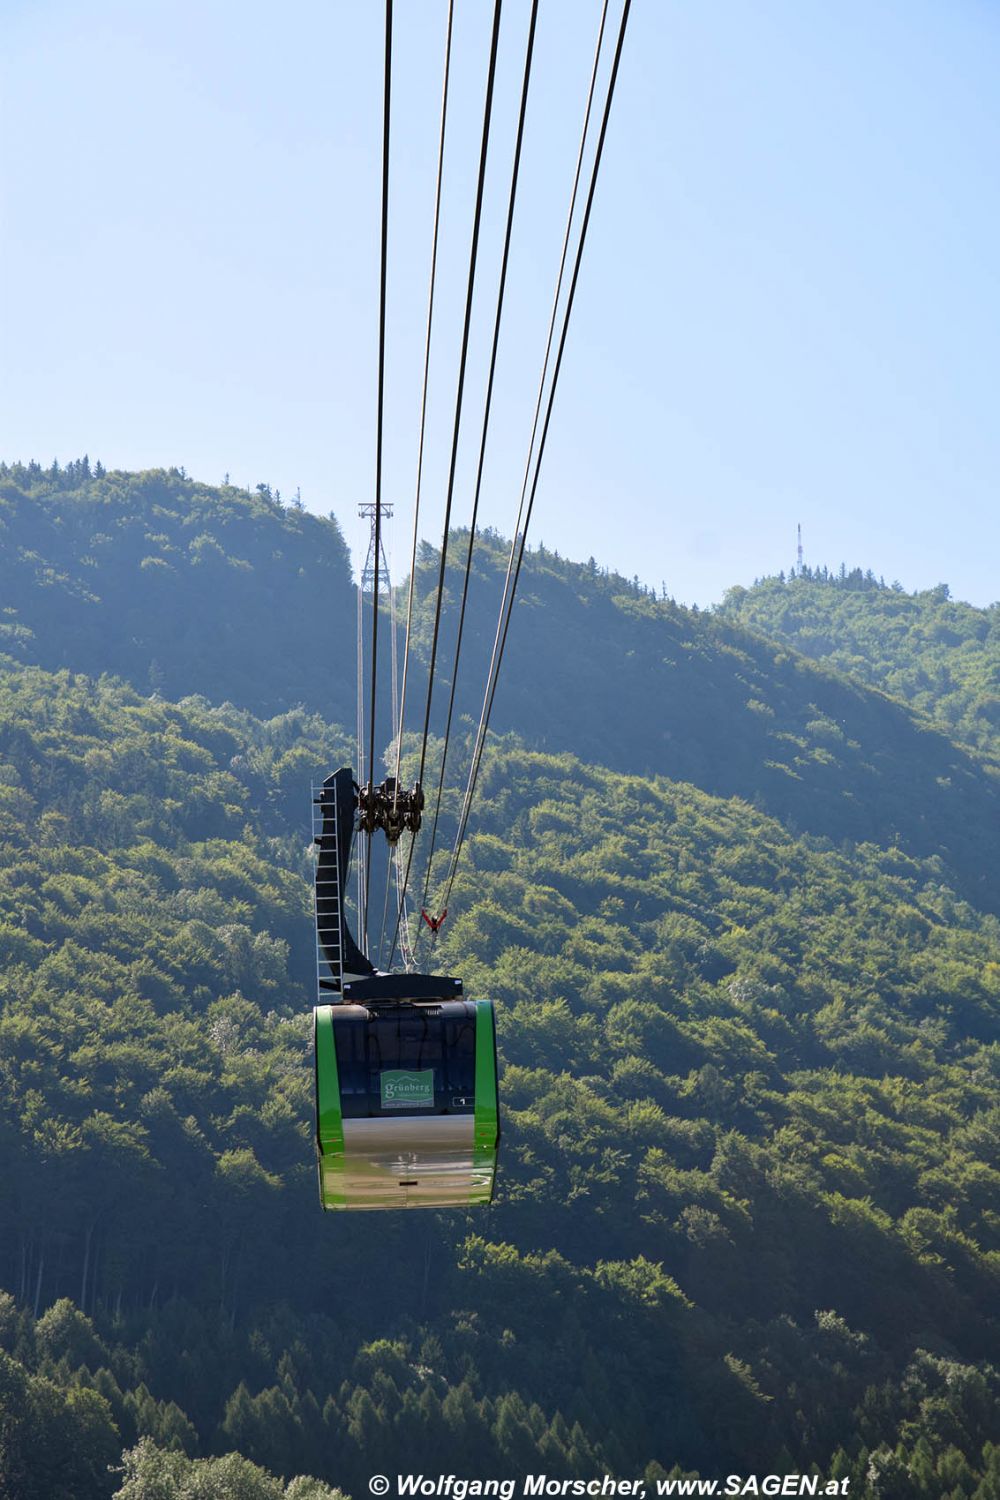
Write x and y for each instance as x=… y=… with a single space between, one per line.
x=401 y=1090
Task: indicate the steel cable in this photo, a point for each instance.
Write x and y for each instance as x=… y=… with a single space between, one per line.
x=386 y=99
x=509 y=601
x=423 y=399
x=485 y=430
x=470 y=292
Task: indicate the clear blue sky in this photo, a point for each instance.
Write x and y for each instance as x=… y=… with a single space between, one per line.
x=789 y=310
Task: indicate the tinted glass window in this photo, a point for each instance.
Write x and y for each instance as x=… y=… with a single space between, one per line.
x=460 y=1059
x=352 y=1063
x=407 y=1039
x=410 y=1040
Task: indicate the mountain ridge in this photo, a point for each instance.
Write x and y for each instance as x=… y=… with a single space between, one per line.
x=594 y=665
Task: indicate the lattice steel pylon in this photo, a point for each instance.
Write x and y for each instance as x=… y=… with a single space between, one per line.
x=365 y=587
x=386 y=600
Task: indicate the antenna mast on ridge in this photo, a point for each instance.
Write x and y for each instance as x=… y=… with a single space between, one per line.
x=798 y=552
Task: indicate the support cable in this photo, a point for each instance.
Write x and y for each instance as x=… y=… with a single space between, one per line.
x=393 y=856
x=459 y=395
x=393 y=642
x=482 y=444
x=361 y=730
x=552 y=326
x=387 y=90
x=423 y=398
x=505 y=599
x=506 y=614
x=387 y=511
x=473 y=256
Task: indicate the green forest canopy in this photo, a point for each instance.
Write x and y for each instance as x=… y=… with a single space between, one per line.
x=939 y=654
x=748 y=1205
x=255 y=606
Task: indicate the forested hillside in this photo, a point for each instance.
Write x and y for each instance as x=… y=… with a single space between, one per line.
x=747 y=1215
x=936 y=652
x=176 y=586
x=181 y=588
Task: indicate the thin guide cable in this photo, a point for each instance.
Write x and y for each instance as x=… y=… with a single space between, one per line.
x=504 y=598
x=423 y=398
x=483 y=439
x=544 y=436
x=473 y=256
x=386 y=112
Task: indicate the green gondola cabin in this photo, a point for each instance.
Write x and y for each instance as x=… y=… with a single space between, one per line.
x=406 y=1068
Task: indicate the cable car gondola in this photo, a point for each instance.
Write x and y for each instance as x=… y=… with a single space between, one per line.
x=405 y=1066
x=406 y=1070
